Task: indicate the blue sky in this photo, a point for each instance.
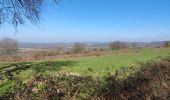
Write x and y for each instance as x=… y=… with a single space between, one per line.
x=98 y=21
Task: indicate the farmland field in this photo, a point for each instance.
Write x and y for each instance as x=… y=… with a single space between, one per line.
x=112 y=60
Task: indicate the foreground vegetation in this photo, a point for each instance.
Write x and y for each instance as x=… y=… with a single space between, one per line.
x=150 y=81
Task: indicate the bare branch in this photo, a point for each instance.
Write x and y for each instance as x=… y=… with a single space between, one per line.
x=17 y=11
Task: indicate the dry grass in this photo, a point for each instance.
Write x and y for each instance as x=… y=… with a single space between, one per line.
x=26 y=55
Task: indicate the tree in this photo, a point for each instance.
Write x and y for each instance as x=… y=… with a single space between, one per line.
x=8 y=46
x=117 y=45
x=167 y=44
x=78 y=48
x=16 y=11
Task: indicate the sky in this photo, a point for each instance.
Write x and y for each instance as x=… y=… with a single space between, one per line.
x=97 y=21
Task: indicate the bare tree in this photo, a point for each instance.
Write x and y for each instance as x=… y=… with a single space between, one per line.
x=134 y=45
x=78 y=48
x=16 y=11
x=167 y=44
x=117 y=45
x=8 y=46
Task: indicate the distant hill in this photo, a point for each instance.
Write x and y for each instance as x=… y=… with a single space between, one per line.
x=88 y=44
x=59 y=45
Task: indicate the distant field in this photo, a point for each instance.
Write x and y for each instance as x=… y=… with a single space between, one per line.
x=111 y=60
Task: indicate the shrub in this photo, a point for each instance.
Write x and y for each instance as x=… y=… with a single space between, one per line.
x=45 y=53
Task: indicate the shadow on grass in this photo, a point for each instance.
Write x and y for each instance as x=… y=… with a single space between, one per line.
x=40 y=67
x=52 y=66
x=15 y=67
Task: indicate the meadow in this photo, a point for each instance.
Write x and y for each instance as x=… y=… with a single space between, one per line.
x=96 y=66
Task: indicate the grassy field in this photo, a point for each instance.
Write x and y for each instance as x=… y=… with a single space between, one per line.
x=115 y=60
x=112 y=60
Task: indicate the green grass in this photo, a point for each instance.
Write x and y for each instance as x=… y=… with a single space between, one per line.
x=113 y=60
